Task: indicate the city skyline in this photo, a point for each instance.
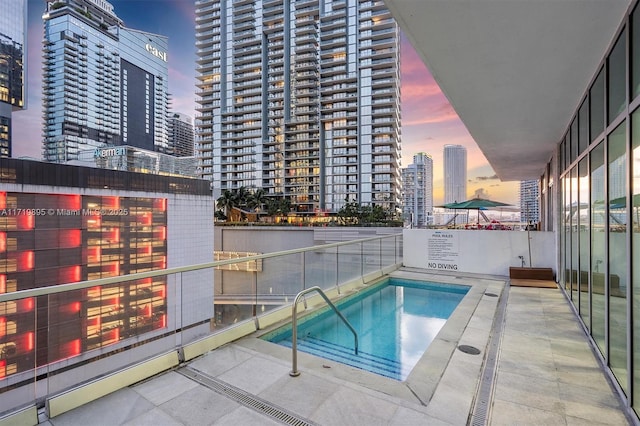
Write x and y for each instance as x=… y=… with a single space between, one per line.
x=429 y=122
x=114 y=89
x=316 y=119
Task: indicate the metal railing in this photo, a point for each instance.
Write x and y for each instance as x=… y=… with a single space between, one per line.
x=49 y=335
x=294 y=327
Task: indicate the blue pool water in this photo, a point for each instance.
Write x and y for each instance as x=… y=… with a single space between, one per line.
x=395 y=321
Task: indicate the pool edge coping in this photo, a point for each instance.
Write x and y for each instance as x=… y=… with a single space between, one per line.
x=440 y=371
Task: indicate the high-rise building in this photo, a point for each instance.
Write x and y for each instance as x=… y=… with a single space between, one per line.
x=95 y=224
x=180 y=135
x=529 y=201
x=13 y=18
x=417 y=182
x=300 y=98
x=103 y=84
x=455 y=173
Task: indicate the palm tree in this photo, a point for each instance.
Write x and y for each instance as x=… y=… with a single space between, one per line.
x=277 y=206
x=242 y=197
x=257 y=199
x=226 y=202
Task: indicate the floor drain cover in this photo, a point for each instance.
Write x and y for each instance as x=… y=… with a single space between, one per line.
x=491 y=294
x=469 y=349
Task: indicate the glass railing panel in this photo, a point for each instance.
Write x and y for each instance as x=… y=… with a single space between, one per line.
x=17 y=353
x=197 y=309
x=371 y=252
x=388 y=250
x=278 y=281
x=320 y=268
x=235 y=293
x=104 y=329
x=349 y=262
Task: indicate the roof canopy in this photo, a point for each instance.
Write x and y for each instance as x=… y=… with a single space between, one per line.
x=513 y=70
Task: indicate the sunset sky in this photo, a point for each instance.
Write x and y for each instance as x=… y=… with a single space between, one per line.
x=428 y=120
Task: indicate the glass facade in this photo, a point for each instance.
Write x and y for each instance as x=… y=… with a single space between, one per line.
x=50 y=239
x=13 y=17
x=39 y=173
x=103 y=84
x=132 y=159
x=300 y=98
x=600 y=196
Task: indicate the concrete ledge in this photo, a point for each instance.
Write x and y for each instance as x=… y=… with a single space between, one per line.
x=25 y=417
x=67 y=401
x=276 y=316
x=372 y=276
x=210 y=343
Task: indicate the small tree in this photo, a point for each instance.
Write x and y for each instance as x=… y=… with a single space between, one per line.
x=226 y=202
x=350 y=213
x=277 y=206
x=257 y=199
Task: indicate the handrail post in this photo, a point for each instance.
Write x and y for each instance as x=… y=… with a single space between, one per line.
x=294 y=327
x=294 y=338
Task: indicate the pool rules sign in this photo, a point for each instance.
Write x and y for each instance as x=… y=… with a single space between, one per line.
x=443 y=250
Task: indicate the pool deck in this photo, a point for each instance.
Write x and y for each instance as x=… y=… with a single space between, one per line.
x=544 y=372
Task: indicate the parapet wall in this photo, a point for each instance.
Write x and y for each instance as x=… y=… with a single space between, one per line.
x=482 y=252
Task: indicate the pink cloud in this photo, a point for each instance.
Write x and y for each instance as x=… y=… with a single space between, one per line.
x=186 y=8
x=431 y=114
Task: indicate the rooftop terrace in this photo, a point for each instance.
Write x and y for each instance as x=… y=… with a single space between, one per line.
x=536 y=367
x=535 y=363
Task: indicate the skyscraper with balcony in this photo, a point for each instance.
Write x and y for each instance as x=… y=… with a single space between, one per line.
x=13 y=18
x=529 y=201
x=181 y=135
x=103 y=84
x=300 y=98
x=455 y=173
x=417 y=182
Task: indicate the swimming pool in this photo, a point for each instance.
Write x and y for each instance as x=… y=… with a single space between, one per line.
x=395 y=321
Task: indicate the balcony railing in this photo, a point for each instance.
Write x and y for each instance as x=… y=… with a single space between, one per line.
x=54 y=339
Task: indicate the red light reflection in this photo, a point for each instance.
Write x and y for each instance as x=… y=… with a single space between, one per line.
x=160 y=203
x=70 y=238
x=29 y=341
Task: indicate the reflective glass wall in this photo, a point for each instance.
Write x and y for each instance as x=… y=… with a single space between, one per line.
x=599 y=169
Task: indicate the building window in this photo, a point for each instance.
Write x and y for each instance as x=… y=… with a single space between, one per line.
x=635 y=247
x=598 y=249
x=617 y=79
x=596 y=95
x=583 y=127
x=617 y=251
x=635 y=53
x=583 y=239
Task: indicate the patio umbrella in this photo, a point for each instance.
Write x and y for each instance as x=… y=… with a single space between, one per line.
x=475 y=204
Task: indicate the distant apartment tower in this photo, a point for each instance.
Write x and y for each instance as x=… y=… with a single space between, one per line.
x=103 y=84
x=417 y=181
x=300 y=98
x=13 y=18
x=181 y=135
x=455 y=173
x=529 y=201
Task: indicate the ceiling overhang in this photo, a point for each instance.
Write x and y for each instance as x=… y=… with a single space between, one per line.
x=514 y=70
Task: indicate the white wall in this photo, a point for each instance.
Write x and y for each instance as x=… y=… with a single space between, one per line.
x=190 y=242
x=483 y=252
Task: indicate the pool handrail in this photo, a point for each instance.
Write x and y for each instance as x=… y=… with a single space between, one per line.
x=294 y=327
